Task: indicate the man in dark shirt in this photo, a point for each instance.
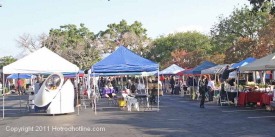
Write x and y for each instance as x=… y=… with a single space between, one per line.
x=226 y=72
x=225 y=76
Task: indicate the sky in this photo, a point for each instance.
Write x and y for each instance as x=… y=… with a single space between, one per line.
x=159 y=17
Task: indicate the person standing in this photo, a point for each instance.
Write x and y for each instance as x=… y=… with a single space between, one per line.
x=167 y=85
x=20 y=86
x=210 y=88
x=172 y=83
x=202 y=89
x=193 y=83
x=226 y=72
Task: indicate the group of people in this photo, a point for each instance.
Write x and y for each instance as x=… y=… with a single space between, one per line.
x=169 y=83
x=205 y=85
x=201 y=86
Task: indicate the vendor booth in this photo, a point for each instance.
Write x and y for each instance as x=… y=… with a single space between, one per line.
x=124 y=60
x=38 y=62
x=263 y=96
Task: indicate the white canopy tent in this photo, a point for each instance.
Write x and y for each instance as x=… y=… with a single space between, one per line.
x=40 y=61
x=171 y=70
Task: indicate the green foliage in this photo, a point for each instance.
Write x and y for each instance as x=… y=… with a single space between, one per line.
x=6 y=60
x=262 y=6
x=189 y=41
x=241 y=23
x=74 y=44
x=132 y=36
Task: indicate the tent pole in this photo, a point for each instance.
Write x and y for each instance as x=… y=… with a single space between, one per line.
x=238 y=75
x=193 y=88
x=158 y=89
x=19 y=93
x=94 y=89
x=77 y=92
x=3 y=94
x=147 y=91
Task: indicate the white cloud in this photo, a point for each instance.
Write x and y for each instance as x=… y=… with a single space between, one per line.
x=199 y=28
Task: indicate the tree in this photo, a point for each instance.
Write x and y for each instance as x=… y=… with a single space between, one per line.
x=261 y=6
x=241 y=23
x=132 y=36
x=266 y=42
x=6 y=60
x=31 y=43
x=163 y=47
x=77 y=45
x=243 y=49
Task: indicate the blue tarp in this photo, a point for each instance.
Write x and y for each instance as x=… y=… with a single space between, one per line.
x=202 y=66
x=124 y=60
x=244 y=62
x=171 y=70
x=15 y=76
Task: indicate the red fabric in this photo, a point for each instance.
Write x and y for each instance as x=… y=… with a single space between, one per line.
x=252 y=97
x=242 y=98
x=265 y=99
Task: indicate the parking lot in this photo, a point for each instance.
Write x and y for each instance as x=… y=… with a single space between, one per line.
x=177 y=117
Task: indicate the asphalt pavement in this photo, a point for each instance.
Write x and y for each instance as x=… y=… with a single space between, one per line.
x=177 y=116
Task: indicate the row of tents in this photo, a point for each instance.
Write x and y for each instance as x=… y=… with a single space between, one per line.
x=123 y=62
x=204 y=68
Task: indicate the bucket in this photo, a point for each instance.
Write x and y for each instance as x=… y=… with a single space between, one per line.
x=122 y=103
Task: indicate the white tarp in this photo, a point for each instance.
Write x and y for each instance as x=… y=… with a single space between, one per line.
x=171 y=70
x=265 y=63
x=40 y=61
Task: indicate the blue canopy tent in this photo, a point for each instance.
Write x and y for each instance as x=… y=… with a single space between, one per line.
x=243 y=63
x=202 y=66
x=16 y=76
x=171 y=70
x=125 y=60
x=73 y=75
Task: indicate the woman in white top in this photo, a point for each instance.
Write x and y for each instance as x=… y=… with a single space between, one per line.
x=210 y=87
x=167 y=85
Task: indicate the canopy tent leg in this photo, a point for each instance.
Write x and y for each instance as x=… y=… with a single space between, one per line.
x=238 y=83
x=158 y=89
x=3 y=95
x=77 y=92
x=19 y=93
x=94 y=93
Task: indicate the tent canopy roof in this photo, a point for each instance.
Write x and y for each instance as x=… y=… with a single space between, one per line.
x=171 y=70
x=202 y=66
x=40 y=61
x=23 y=76
x=182 y=72
x=214 y=70
x=265 y=63
x=243 y=63
x=124 y=60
